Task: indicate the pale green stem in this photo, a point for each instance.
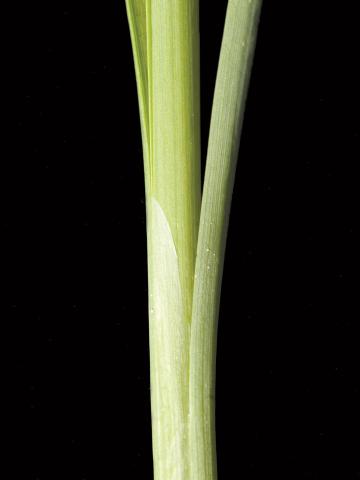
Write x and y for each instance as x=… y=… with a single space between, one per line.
x=226 y=121
x=173 y=211
x=183 y=312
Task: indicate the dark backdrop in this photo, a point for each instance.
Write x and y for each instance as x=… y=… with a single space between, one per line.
x=74 y=254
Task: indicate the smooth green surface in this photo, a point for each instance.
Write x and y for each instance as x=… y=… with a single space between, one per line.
x=184 y=297
x=165 y=39
x=225 y=128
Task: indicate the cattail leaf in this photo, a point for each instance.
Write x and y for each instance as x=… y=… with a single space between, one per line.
x=231 y=86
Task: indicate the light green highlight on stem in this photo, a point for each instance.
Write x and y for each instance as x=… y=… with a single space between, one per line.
x=169 y=352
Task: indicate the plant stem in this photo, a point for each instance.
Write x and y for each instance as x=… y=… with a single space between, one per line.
x=184 y=295
x=172 y=169
x=232 y=80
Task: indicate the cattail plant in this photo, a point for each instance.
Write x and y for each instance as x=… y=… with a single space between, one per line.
x=186 y=224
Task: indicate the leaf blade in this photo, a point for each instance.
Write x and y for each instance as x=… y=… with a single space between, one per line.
x=232 y=80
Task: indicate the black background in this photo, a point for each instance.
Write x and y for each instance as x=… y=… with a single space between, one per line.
x=74 y=260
